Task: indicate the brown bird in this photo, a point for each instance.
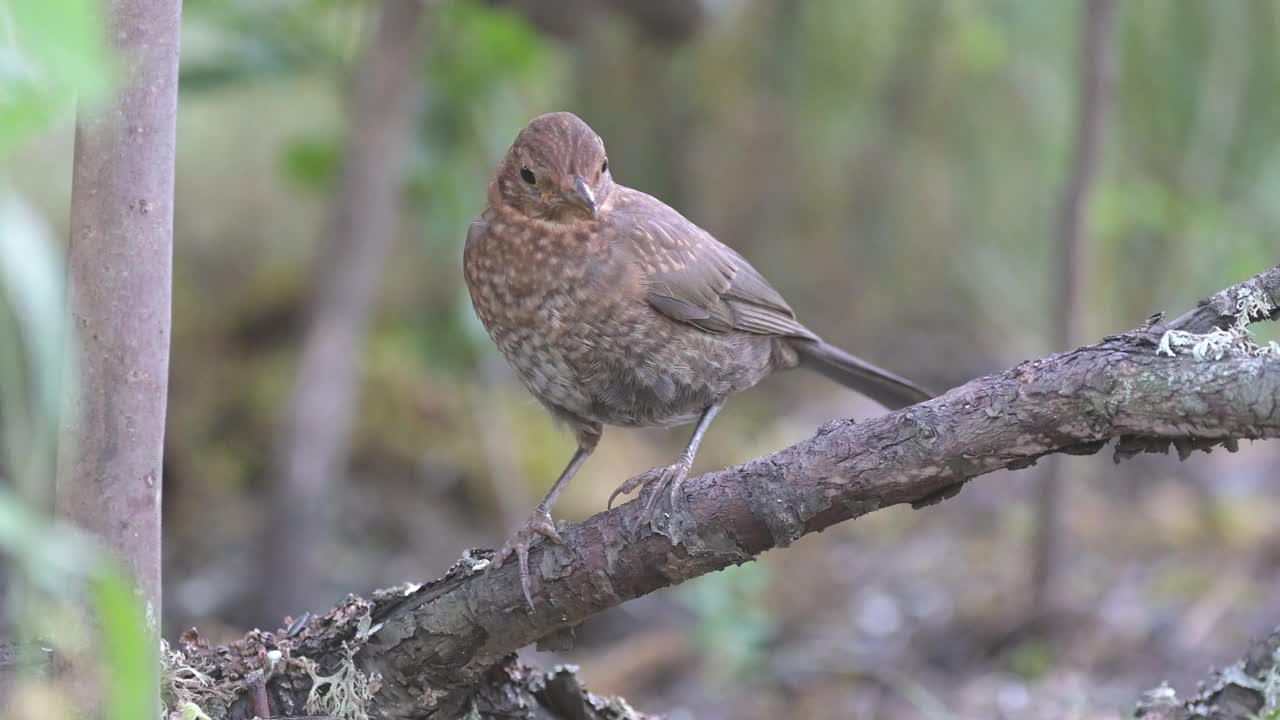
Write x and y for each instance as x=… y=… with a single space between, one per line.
x=614 y=309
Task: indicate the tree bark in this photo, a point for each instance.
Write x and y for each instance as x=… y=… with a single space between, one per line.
x=442 y=649
x=1071 y=252
x=1237 y=692
x=314 y=445
x=120 y=260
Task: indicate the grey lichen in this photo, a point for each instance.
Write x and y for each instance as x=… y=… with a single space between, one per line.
x=1161 y=696
x=189 y=692
x=1268 y=683
x=345 y=693
x=1204 y=705
x=1271 y=687
x=471 y=563
x=365 y=628
x=1233 y=341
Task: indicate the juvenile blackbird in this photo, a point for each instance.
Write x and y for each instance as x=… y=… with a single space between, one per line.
x=614 y=309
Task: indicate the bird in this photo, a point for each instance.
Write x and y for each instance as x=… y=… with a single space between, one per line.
x=614 y=309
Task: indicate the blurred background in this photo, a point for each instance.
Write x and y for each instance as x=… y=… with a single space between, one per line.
x=338 y=420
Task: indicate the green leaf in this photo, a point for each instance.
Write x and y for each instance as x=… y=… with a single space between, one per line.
x=52 y=52
x=192 y=711
x=311 y=163
x=128 y=651
x=32 y=339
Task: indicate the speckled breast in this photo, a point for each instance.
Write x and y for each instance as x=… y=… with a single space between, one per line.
x=568 y=313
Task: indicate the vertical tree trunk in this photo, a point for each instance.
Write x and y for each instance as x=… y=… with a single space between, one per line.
x=121 y=256
x=313 y=450
x=1069 y=249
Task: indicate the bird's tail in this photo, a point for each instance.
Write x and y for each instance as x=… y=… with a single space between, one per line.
x=853 y=372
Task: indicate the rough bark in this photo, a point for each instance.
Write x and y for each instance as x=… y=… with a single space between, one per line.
x=314 y=444
x=1071 y=252
x=1241 y=691
x=443 y=648
x=120 y=259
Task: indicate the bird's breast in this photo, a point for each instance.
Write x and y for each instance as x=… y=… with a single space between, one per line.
x=541 y=275
x=571 y=318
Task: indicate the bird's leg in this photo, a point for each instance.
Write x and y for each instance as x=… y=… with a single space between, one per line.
x=672 y=476
x=539 y=523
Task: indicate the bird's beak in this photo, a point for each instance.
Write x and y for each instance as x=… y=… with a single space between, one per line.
x=582 y=196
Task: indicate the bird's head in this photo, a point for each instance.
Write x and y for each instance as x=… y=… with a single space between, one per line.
x=556 y=170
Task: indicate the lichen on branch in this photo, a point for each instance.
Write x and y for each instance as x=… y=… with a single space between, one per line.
x=1234 y=340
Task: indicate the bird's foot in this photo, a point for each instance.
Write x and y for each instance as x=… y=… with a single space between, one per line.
x=655 y=482
x=538 y=525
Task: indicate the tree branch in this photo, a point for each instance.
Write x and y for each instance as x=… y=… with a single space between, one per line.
x=435 y=648
x=1241 y=691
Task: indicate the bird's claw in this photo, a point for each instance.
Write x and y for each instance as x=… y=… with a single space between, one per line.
x=626 y=488
x=655 y=481
x=538 y=525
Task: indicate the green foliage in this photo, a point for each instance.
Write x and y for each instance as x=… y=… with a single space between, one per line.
x=128 y=654
x=62 y=585
x=51 y=51
x=1032 y=659
x=62 y=590
x=65 y=587
x=229 y=43
x=477 y=49
x=311 y=163
x=733 y=626
x=191 y=711
x=31 y=348
x=485 y=73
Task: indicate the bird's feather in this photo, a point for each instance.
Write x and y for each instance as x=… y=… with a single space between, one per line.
x=691 y=277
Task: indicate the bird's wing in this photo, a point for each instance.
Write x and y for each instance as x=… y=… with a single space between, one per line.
x=694 y=278
x=478 y=226
x=476 y=229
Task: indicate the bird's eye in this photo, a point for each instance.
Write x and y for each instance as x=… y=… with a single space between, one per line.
x=604 y=168
x=527 y=175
